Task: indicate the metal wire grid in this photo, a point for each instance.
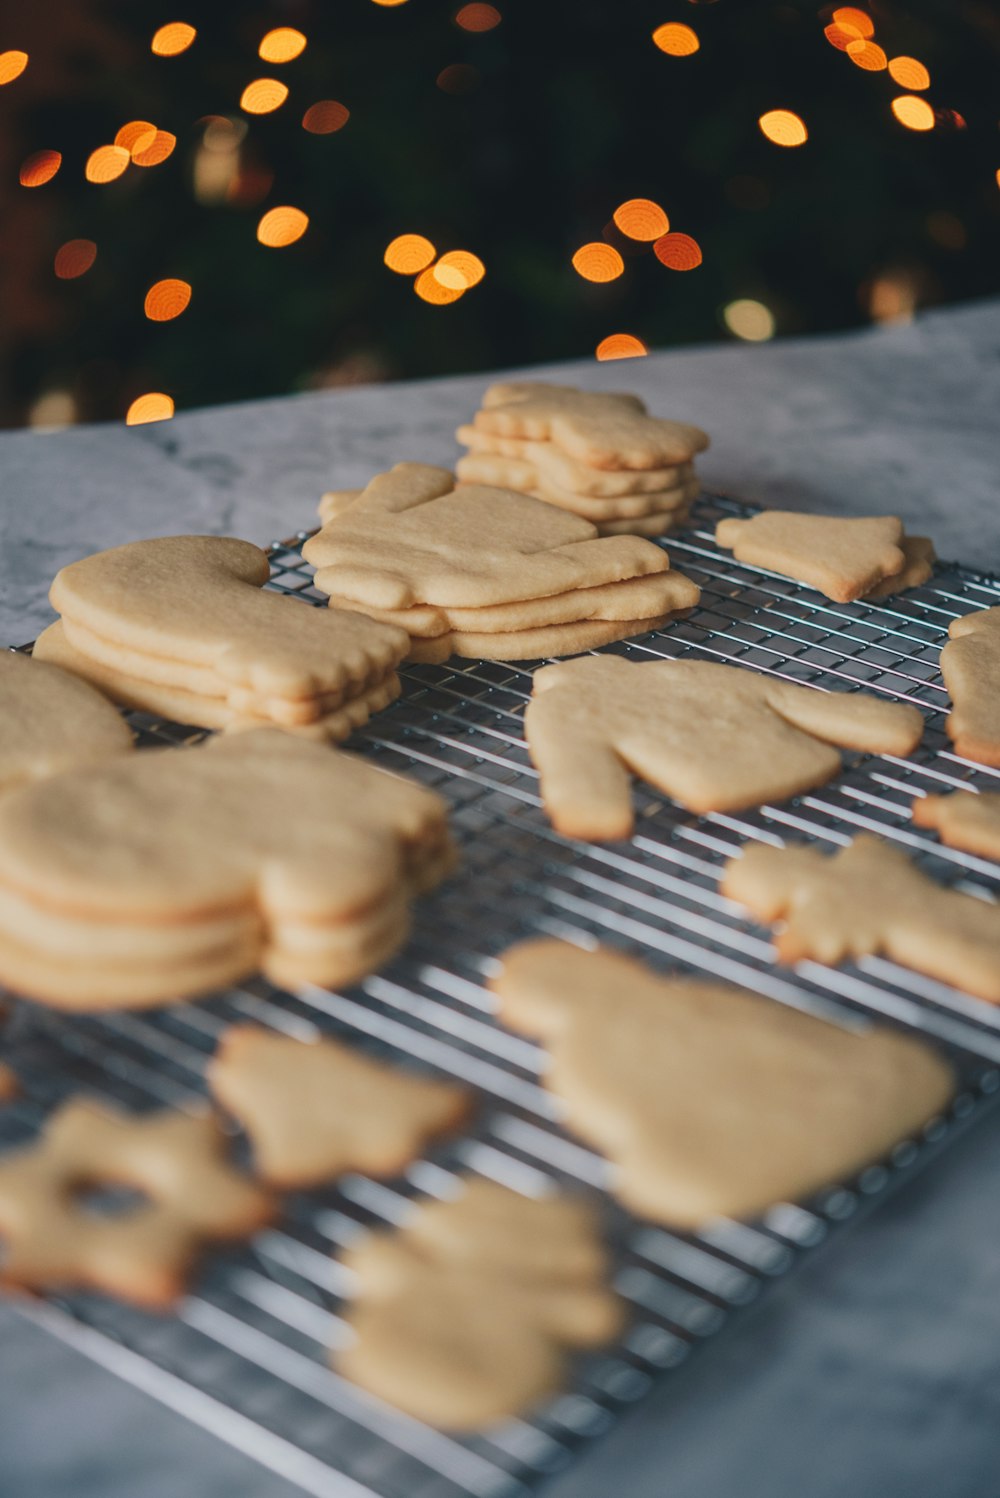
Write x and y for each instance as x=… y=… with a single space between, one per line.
x=247 y=1353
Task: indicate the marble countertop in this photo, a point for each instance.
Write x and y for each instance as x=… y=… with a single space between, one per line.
x=875 y=1369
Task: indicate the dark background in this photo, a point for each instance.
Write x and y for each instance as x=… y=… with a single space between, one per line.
x=567 y=109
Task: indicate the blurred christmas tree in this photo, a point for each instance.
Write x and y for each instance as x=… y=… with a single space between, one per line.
x=511 y=132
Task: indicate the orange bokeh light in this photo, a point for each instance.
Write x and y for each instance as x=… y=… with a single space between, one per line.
x=783 y=127
x=409 y=254
x=676 y=39
x=137 y=136
x=282 y=226
x=914 y=113
x=641 y=218
x=106 y=163
x=678 y=252
x=173 y=38
x=867 y=55
x=909 y=73
x=850 y=15
x=459 y=270
x=74 y=258
x=158 y=149
x=620 y=346
x=325 y=116
x=283 y=44
x=38 y=168
x=478 y=17
x=154 y=406
x=598 y=262
x=166 y=300
x=430 y=289
x=263 y=96
x=841 y=36
x=388 y=4
x=12 y=65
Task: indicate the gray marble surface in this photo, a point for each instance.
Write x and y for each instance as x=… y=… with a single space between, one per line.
x=875 y=1370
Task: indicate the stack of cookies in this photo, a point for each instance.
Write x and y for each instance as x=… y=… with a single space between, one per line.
x=167 y=873
x=599 y=456
x=181 y=626
x=487 y=573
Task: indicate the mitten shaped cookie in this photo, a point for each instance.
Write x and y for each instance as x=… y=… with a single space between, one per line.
x=466 y=1314
x=713 y=737
x=963 y=820
x=869 y=899
x=709 y=1100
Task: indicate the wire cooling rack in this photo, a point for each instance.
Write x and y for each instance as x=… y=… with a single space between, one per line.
x=247 y=1353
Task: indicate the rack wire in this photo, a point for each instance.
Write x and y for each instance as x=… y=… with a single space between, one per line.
x=247 y=1353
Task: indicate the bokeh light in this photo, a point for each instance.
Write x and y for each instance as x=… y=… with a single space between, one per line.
x=892 y=297
x=282 y=226
x=598 y=262
x=867 y=55
x=459 y=270
x=676 y=39
x=388 y=4
x=166 y=300
x=74 y=258
x=478 y=17
x=158 y=150
x=641 y=218
x=172 y=39
x=458 y=78
x=54 y=409
x=783 y=127
x=154 y=406
x=841 y=36
x=137 y=136
x=851 y=16
x=909 y=73
x=263 y=96
x=12 y=65
x=678 y=252
x=106 y=163
x=749 y=320
x=620 y=346
x=409 y=254
x=325 y=116
x=914 y=113
x=38 y=168
x=430 y=289
x=283 y=44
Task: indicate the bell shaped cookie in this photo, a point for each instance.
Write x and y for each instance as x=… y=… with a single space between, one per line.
x=970 y=666
x=708 y=1100
x=843 y=558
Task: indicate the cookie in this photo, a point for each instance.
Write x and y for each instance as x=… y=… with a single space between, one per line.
x=599 y=430
x=476 y=569
x=524 y=476
x=970 y=667
x=191 y=1196
x=180 y=705
x=566 y=473
x=195 y=866
x=189 y=614
x=842 y=558
x=712 y=737
x=708 y=1100
x=50 y=721
x=10 y=1087
x=917 y=568
x=316 y=1110
x=963 y=820
x=466 y=1314
x=869 y=899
